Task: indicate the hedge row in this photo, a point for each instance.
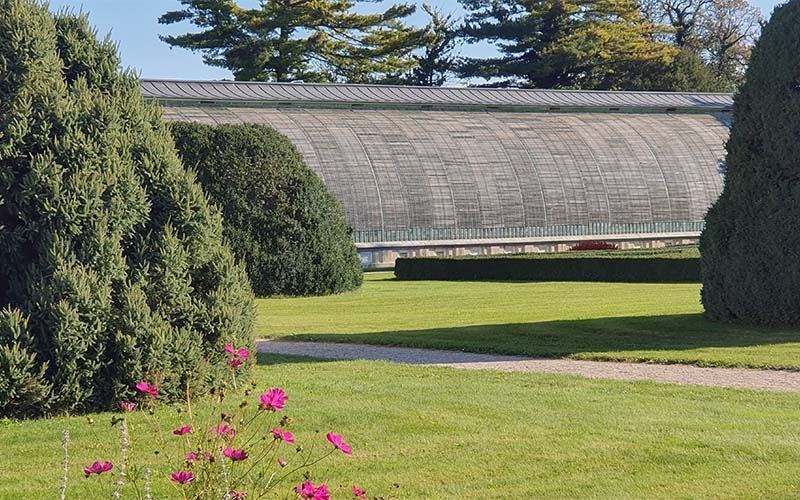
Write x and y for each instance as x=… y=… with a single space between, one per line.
x=624 y=269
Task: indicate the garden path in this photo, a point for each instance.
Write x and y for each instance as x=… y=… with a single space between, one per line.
x=769 y=380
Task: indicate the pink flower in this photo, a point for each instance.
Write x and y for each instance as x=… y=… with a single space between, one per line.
x=192 y=456
x=127 y=406
x=242 y=353
x=309 y=492
x=98 y=468
x=149 y=389
x=306 y=490
x=186 y=429
x=359 y=493
x=282 y=462
x=283 y=435
x=235 y=455
x=223 y=431
x=183 y=477
x=273 y=400
x=321 y=493
x=236 y=363
x=337 y=441
x=236 y=495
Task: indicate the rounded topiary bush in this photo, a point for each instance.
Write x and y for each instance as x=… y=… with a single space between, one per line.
x=112 y=262
x=279 y=216
x=751 y=245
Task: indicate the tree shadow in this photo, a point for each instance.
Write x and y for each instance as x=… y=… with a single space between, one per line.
x=571 y=337
x=270 y=359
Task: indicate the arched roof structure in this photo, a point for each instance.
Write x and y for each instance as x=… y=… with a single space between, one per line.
x=415 y=163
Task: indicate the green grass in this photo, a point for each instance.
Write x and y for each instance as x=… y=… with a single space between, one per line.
x=443 y=433
x=659 y=323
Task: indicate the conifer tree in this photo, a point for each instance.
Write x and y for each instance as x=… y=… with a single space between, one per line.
x=585 y=44
x=112 y=264
x=286 y=40
x=750 y=247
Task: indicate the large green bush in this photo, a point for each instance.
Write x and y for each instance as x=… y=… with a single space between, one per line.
x=112 y=266
x=279 y=216
x=751 y=244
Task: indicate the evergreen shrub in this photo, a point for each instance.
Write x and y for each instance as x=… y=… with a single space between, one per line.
x=751 y=245
x=279 y=216
x=112 y=262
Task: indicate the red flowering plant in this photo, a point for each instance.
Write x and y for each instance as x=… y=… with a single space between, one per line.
x=246 y=455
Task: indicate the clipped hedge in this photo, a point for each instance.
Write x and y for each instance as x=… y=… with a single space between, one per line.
x=644 y=268
x=751 y=242
x=279 y=216
x=113 y=267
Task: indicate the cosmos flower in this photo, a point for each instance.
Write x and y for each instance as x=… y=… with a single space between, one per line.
x=183 y=477
x=235 y=455
x=338 y=441
x=224 y=431
x=273 y=400
x=147 y=388
x=98 y=468
x=283 y=435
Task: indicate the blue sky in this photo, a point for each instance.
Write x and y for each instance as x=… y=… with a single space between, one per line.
x=134 y=25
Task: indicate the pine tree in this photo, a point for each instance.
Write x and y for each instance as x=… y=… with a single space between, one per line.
x=112 y=265
x=588 y=44
x=286 y=40
x=436 y=59
x=751 y=245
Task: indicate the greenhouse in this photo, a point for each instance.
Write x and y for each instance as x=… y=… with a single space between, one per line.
x=449 y=171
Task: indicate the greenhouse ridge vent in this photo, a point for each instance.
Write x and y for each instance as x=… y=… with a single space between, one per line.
x=465 y=171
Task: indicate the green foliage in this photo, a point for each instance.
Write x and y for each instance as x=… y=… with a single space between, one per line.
x=751 y=267
x=566 y=267
x=280 y=218
x=436 y=60
x=112 y=266
x=688 y=72
x=285 y=40
x=23 y=383
x=583 y=44
x=719 y=34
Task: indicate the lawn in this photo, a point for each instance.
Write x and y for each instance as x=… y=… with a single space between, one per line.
x=445 y=433
x=659 y=323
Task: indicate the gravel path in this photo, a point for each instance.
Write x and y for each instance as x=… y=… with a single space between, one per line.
x=768 y=380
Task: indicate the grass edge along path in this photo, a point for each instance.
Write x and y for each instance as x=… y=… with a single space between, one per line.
x=770 y=380
x=650 y=323
x=441 y=433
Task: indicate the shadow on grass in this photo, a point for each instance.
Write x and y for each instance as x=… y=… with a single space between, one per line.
x=573 y=337
x=269 y=359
